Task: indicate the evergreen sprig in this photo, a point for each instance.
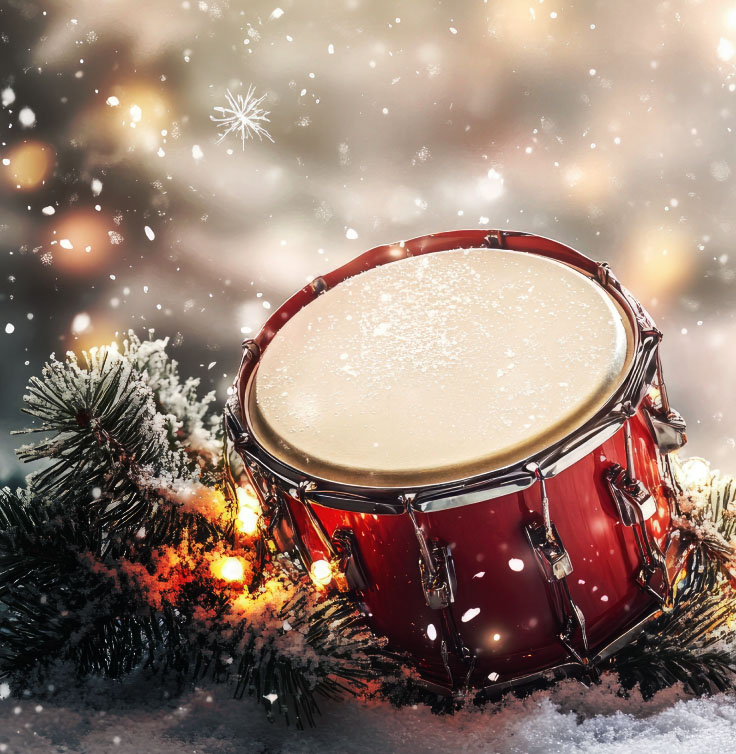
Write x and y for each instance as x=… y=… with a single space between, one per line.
x=106 y=557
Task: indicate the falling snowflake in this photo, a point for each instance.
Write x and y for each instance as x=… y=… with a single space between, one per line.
x=244 y=116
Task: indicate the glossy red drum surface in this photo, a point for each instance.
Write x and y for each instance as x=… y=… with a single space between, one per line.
x=509 y=612
x=510 y=625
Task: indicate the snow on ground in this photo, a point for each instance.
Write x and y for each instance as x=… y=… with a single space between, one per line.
x=569 y=720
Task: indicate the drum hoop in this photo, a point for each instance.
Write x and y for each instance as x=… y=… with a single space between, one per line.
x=518 y=476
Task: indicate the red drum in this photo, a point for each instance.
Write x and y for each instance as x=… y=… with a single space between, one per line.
x=469 y=432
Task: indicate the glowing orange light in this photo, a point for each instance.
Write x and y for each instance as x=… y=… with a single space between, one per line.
x=83 y=241
x=321 y=572
x=249 y=510
x=29 y=164
x=228 y=569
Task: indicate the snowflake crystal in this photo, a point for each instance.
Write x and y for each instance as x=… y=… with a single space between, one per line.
x=243 y=116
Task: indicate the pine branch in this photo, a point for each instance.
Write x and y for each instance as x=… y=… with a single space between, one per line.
x=684 y=645
x=108 y=441
x=58 y=607
x=347 y=659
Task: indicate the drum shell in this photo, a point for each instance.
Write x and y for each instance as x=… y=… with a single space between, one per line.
x=514 y=628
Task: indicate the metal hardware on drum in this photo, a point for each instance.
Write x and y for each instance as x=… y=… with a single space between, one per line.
x=351 y=573
x=319 y=285
x=495 y=239
x=556 y=565
x=436 y=567
x=439 y=583
x=635 y=506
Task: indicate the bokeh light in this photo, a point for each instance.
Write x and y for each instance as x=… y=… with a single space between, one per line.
x=83 y=241
x=27 y=165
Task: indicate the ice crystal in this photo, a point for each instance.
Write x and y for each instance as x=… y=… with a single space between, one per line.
x=244 y=116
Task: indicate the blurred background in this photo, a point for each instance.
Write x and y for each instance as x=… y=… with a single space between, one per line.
x=607 y=126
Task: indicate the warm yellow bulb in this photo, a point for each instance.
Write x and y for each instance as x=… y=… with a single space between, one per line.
x=247 y=521
x=696 y=472
x=249 y=510
x=321 y=572
x=229 y=569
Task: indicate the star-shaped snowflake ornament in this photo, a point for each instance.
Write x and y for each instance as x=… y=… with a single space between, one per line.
x=244 y=116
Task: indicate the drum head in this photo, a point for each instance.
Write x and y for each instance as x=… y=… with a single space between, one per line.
x=439 y=367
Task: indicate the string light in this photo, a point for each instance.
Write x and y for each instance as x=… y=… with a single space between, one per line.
x=249 y=510
x=696 y=472
x=321 y=572
x=228 y=569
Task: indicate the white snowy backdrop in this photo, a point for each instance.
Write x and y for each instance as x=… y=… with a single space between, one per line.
x=608 y=126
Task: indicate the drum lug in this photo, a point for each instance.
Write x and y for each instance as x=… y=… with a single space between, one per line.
x=666 y=425
x=556 y=565
x=634 y=502
x=604 y=274
x=233 y=426
x=668 y=429
x=496 y=239
x=636 y=506
x=318 y=285
x=350 y=572
x=436 y=567
x=438 y=576
x=549 y=550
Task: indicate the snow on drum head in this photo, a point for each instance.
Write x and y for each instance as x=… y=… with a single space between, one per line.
x=438 y=367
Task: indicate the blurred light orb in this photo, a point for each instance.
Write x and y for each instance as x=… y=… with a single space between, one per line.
x=28 y=165
x=82 y=322
x=725 y=49
x=131 y=117
x=589 y=178
x=490 y=188
x=27 y=118
x=228 y=569
x=321 y=572
x=696 y=472
x=659 y=263
x=82 y=241
x=100 y=329
x=249 y=510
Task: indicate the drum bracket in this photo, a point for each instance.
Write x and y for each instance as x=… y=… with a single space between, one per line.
x=668 y=428
x=437 y=572
x=350 y=572
x=436 y=567
x=635 y=507
x=551 y=553
x=554 y=560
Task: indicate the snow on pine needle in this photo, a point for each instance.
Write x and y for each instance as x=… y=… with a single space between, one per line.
x=243 y=116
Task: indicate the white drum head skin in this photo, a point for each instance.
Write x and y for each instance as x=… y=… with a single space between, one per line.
x=439 y=367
